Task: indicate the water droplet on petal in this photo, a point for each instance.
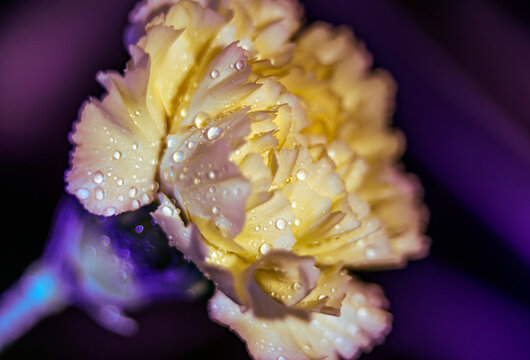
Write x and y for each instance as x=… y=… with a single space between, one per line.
x=172 y=142
x=82 y=193
x=201 y=119
x=132 y=192
x=265 y=248
x=214 y=132
x=281 y=224
x=214 y=74
x=301 y=174
x=178 y=156
x=213 y=174
x=297 y=286
x=116 y=155
x=120 y=182
x=215 y=210
x=98 y=177
x=146 y=199
x=99 y=193
x=135 y=146
x=135 y=204
x=109 y=211
x=169 y=174
x=240 y=65
x=167 y=211
x=190 y=145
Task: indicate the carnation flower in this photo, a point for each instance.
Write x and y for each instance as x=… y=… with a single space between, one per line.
x=272 y=162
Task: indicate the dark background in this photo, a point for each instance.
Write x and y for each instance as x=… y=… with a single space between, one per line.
x=463 y=70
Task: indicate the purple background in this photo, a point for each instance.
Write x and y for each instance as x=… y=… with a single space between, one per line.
x=463 y=70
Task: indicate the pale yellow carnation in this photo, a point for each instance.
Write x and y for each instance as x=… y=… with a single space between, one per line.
x=272 y=162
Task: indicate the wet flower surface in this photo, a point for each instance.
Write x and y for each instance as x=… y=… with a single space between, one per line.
x=270 y=154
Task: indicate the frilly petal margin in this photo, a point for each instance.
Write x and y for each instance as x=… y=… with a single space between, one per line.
x=362 y=323
x=117 y=143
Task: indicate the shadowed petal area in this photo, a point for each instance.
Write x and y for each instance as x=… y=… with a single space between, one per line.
x=300 y=335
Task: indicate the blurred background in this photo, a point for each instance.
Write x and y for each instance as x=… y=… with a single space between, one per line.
x=463 y=71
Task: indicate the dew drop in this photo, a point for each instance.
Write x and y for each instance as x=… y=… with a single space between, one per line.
x=213 y=174
x=135 y=204
x=99 y=193
x=172 y=142
x=116 y=155
x=120 y=182
x=215 y=210
x=294 y=204
x=190 y=145
x=82 y=193
x=297 y=286
x=178 y=156
x=281 y=224
x=265 y=248
x=339 y=341
x=240 y=65
x=214 y=132
x=297 y=222
x=201 y=119
x=301 y=174
x=370 y=252
x=167 y=211
x=135 y=146
x=109 y=211
x=183 y=112
x=132 y=192
x=212 y=189
x=169 y=174
x=98 y=177
x=146 y=199
x=214 y=74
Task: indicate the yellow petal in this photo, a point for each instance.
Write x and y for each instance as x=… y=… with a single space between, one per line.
x=116 y=145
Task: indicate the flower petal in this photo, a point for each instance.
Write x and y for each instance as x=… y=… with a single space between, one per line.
x=117 y=141
x=283 y=276
x=197 y=166
x=361 y=324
